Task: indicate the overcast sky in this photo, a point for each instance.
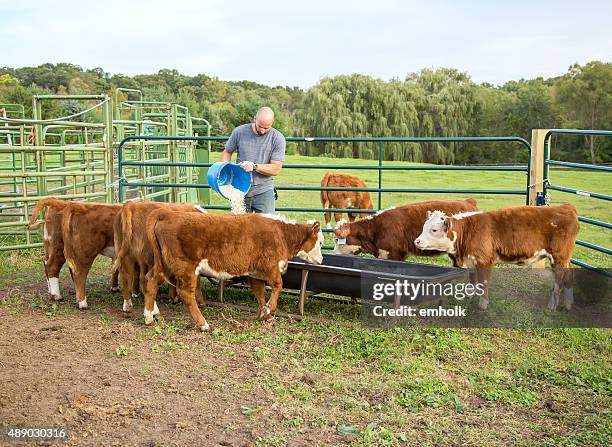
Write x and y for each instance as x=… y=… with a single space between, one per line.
x=297 y=43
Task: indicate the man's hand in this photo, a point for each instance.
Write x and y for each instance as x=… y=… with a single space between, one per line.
x=247 y=166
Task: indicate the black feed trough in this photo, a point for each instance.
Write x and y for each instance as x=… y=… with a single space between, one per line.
x=346 y=275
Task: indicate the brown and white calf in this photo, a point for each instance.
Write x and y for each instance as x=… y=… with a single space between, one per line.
x=134 y=254
x=390 y=233
x=521 y=235
x=75 y=233
x=344 y=199
x=186 y=245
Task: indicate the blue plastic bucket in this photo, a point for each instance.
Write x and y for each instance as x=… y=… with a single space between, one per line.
x=226 y=173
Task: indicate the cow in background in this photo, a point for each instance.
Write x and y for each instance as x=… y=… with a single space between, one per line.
x=390 y=233
x=344 y=199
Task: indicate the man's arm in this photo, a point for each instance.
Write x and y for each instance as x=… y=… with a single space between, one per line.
x=272 y=169
x=225 y=156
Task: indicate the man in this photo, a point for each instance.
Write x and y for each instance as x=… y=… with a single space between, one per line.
x=261 y=150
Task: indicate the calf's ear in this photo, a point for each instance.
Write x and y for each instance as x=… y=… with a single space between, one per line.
x=428 y=214
x=316 y=227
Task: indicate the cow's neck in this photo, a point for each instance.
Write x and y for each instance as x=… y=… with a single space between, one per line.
x=294 y=235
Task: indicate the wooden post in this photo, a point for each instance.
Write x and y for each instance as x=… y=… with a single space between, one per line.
x=536 y=174
x=536 y=171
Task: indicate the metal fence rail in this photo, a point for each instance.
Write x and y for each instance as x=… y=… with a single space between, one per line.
x=590 y=167
x=125 y=183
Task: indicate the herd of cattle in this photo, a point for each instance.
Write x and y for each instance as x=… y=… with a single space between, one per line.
x=152 y=243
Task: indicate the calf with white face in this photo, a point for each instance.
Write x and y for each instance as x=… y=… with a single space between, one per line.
x=519 y=235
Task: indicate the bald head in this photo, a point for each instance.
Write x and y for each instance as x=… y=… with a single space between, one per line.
x=264 y=118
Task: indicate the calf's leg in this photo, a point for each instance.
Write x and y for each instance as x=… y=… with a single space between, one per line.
x=185 y=288
x=154 y=279
x=259 y=290
x=483 y=274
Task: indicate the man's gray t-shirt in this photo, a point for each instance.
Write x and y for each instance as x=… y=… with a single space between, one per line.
x=259 y=149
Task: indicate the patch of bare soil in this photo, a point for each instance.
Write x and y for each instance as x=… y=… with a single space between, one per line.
x=70 y=371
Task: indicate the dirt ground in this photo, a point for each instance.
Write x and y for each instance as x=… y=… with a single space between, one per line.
x=63 y=372
x=111 y=380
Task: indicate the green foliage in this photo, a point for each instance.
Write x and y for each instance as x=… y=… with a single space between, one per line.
x=434 y=393
x=429 y=103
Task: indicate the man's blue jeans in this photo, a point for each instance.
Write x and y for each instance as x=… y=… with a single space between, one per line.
x=260 y=203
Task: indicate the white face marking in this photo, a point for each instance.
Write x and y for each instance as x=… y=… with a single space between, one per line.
x=83 y=303
x=204 y=269
x=383 y=254
x=54 y=289
x=127 y=305
x=340 y=223
x=314 y=256
x=466 y=214
x=282 y=266
x=434 y=235
x=378 y=213
x=109 y=252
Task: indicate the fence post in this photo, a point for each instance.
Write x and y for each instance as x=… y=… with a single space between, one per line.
x=536 y=171
x=536 y=174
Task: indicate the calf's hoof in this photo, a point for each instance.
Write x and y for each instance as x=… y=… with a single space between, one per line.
x=127 y=305
x=82 y=304
x=148 y=317
x=114 y=289
x=56 y=297
x=205 y=327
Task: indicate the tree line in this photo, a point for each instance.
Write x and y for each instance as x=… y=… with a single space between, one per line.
x=429 y=103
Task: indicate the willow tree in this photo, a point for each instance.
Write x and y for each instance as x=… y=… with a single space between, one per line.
x=446 y=107
x=356 y=106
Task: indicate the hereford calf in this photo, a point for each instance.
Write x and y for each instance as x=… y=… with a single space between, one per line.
x=134 y=253
x=75 y=232
x=390 y=234
x=521 y=235
x=344 y=199
x=186 y=245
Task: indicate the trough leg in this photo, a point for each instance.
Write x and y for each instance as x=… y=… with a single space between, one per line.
x=220 y=290
x=303 y=292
